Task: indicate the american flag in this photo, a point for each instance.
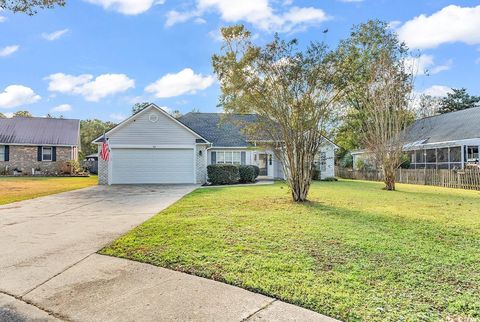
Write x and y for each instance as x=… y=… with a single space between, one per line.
x=105 y=153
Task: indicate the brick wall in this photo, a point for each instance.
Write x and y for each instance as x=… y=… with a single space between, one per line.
x=24 y=158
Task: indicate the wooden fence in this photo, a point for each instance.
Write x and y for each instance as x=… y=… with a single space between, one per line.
x=462 y=179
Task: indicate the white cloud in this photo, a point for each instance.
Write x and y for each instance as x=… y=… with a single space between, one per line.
x=107 y=84
x=199 y=21
x=54 y=35
x=6 y=51
x=8 y=115
x=3 y=19
x=91 y=89
x=117 y=117
x=449 y=25
x=437 y=91
x=425 y=64
x=174 y=17
x=394 y=24
x=62 y=108
x=183 y=82
x=257 y=12
x=441 y=68
x=16 y=95
x=127 y=7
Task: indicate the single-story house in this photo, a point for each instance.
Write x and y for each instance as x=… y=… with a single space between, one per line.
x=152 y=147
x=446 y=141
x=35 y=144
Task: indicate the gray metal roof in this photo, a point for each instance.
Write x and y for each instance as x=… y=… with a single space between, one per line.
x=452 y=126
x=39 y=131
x=224 y=132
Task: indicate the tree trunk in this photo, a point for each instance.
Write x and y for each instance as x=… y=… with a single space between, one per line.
x=300 y=188
x=389 y=180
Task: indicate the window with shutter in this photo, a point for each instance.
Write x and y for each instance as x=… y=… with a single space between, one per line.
x=47 y=153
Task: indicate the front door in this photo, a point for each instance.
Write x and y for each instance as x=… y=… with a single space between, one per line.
x=263 y=164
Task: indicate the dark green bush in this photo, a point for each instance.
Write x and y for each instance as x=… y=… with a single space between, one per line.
x=257 y=171
x=223 y=173
x=315 y=172
x=330 y=179
x=347 y=160
x=405 y=162
x=247 y=173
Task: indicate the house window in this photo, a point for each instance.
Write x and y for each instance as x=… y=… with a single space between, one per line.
x=2 y=153
x=230 y=157
x=323 y=161
x=46 y=153
x=472 y=153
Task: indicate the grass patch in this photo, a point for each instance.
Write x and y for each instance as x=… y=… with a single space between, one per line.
x=14 y=189
x=355 y=252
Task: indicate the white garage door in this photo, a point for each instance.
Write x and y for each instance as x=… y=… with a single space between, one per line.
x=140 y=166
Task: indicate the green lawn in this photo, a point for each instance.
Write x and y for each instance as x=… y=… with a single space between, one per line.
x=21 y=188
x=355 y=252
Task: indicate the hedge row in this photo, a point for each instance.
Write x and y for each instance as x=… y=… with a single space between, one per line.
x=220 y=174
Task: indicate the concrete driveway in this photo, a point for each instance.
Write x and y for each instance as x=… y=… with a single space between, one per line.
x=49 y=269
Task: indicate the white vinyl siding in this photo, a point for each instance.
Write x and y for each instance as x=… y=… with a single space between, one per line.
x=152 y=166
x=142 y=131
x=326 y=161
x=323 y=161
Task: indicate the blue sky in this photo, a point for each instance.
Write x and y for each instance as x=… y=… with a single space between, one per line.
x=96 y=58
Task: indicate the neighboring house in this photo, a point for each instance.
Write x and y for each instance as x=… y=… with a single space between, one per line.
x=362 y=160
x=446 y=141
x=153 y=147
x=37 y=144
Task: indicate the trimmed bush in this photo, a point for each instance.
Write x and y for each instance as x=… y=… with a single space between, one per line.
x=223 y=174
x=247 y=173
x=257 y=171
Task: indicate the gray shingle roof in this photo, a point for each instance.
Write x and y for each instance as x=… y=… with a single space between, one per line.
x=224 y=133
x=452 y=126
x=39 y=131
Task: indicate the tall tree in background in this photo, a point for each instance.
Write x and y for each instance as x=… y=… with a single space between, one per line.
x=458 y=100
x=137 y=107
x=89 y=131
x=373 y=64
x=428 y=106
x=356 y=56
x=291 y=91
x=2 y=116
x=22 y=114
x=30 y=7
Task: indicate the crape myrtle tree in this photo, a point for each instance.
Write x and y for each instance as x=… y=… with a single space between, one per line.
x=379 y=91
x=292 y=91
x=30 y=7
